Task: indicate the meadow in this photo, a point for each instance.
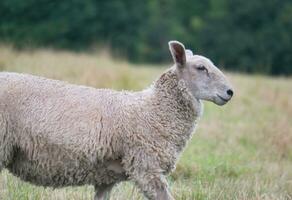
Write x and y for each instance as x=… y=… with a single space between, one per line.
x=241 y=151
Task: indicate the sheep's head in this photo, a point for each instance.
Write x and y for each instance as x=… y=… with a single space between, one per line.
x=204 y=80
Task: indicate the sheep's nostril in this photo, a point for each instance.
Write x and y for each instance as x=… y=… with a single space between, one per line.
x=230 y=92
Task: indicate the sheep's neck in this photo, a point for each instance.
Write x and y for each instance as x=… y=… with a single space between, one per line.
x=176 y=109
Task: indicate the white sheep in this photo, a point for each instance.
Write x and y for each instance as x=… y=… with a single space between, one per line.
x=58 y=134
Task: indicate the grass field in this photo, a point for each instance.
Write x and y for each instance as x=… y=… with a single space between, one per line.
x=240 y=151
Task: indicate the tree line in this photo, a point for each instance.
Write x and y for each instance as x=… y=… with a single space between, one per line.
x=240 y=35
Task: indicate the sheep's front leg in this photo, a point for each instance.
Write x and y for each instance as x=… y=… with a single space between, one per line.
x=102 y=192
x=154 y=187
x=145 y=170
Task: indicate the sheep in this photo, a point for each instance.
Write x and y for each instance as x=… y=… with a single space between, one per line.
x=56 y=134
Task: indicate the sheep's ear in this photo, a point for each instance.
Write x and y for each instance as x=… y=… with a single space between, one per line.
x=189 y=53
x=178 y=53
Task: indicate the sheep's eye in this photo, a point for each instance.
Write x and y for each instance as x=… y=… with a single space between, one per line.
x=201 y=68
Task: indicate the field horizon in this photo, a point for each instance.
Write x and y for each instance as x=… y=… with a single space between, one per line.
x=240 y=151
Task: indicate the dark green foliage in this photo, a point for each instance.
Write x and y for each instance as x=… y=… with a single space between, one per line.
x=248 y=36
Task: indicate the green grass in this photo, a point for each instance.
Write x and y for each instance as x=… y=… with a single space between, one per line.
x=240 y=151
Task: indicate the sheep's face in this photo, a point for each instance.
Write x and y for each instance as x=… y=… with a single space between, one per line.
x=204 y=80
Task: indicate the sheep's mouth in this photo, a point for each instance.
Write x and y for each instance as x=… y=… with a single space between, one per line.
x=223 y=99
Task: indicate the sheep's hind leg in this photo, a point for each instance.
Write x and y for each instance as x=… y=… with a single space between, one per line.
x=102 y=192
x=6 y=144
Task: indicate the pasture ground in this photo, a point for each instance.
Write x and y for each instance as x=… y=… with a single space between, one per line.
x=241 y=151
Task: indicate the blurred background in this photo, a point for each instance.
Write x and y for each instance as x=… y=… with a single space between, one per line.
x=241 y=151
x=246 y=36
